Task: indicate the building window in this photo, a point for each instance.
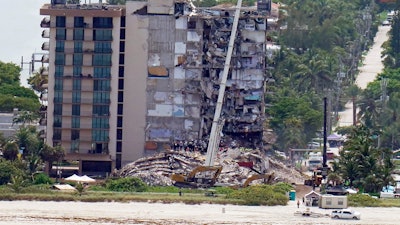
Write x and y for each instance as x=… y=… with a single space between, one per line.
x=60 y=21
x=102 y=72
x=122 y=21
x=122 y=34
x=191 y=24
x=61 y=34
x=78 y=59
x=77 y=70
x=76 y=96
x=120 y=109
x=119 y=121
x=102 y=47
x=58 y=96
x=78 y=47
x=60 y=46
x=101 y=85
x=101 y=97
x=119 y=134
x=102 y=22
x=100 y=135
x=60 y=59
x=57 y=121
x=119 y=146
x=120 y=84
x=100 y=123
x=121 y=59
x=57 y=134
x=58 y=109
x=120 y=96
x=76 y=110
x=102 y=35
x=328 y=201
x=76 y=85
x=122 y=46
x=59 y=71
x=101 y=110
x=78 y=21
x=102 y=60
x=75 y=122
x=58 y=84
x=121 y=71
x=79 y=34
x=118 y=161
x=74 y=134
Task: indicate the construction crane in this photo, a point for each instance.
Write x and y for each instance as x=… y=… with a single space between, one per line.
x=217 y=124
x=206 y=175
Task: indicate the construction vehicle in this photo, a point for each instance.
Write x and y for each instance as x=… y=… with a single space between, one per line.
x=199 y=177
x=316 y=178
x=206 y=176
x=267 y=179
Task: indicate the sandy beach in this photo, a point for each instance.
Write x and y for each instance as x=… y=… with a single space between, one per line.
x=81 y=213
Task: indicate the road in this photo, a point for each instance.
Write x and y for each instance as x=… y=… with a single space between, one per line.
x=372 y=66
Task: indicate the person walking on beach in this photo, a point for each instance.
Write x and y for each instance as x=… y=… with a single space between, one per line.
x=298 y=203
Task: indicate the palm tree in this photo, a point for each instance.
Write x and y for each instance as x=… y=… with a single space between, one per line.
x=51 y=154
x=353 y=91
x=313 y=73
x=37 y=81
x=25 y=117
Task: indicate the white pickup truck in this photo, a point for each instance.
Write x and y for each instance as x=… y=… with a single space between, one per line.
x=345 y=214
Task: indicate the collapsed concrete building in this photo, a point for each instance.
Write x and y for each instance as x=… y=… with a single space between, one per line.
x=189 y=46
x=128 y=81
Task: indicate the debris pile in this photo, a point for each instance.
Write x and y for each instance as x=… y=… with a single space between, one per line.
x=238 y=165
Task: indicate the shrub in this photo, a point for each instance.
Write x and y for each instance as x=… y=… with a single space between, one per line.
x=127 y=184
x=41 y=178
x=7 y=170
x=362 y=200
x=260 y=195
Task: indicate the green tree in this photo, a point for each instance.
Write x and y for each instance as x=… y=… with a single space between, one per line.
x=51 y=154
x=295 y=117
x=7 y=170
x=25 y=117
x=10 y=151
x=362 y=163
x=9 y=74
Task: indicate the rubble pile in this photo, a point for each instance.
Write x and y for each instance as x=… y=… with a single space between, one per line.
x=156 y=170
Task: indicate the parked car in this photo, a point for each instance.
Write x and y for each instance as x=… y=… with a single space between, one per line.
x=313 y=145
x=345 y=214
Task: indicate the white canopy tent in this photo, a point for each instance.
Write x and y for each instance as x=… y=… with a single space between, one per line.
x=83 y=179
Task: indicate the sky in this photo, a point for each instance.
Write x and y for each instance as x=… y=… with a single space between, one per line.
x=20 y=32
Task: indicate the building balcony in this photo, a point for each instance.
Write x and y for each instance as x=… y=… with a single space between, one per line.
x=43 y=122
x=45 y=22
x=45 y=85
x=43 y=97
x=44 y=71
x=45 y=58
x=43 y=108
x=45 y=34
x=46 y=46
